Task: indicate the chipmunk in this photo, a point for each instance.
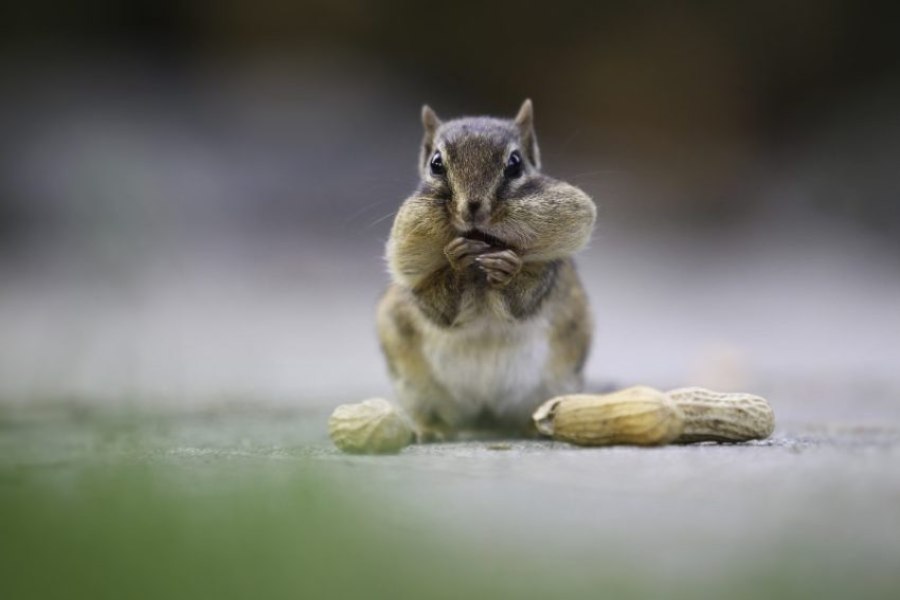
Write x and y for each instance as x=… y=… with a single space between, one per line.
x=486 y=316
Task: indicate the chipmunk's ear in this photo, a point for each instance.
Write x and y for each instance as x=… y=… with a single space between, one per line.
x=430 y=119
x=525 y=122
x=430 y=122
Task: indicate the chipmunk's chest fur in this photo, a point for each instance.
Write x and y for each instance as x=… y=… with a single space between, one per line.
x=490 y=365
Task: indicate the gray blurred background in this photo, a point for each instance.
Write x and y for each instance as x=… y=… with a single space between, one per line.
x=194 y=197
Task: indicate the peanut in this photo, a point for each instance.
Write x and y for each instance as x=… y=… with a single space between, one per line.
x=718 y=417
x=638 y=415
x=373 y=426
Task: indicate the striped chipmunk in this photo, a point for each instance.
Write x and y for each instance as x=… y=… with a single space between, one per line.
x=485 y=317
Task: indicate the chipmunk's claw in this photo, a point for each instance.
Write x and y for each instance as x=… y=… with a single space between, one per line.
x=461 y=252
x=500 y=267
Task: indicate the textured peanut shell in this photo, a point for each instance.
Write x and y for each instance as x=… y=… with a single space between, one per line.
x=639 y=416
x=373 y=426
x=718 y=417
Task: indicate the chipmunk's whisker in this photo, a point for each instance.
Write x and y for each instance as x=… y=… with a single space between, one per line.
x=380 y=219
x=368 y=207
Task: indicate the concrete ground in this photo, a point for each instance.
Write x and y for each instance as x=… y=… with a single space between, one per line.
x=811 y=512
x=823 y=497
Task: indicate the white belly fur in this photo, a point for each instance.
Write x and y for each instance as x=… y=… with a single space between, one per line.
x=491 y=365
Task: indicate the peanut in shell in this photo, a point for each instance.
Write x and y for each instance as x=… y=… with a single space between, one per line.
x=639 y=415
x=720 y=417
x=374 y=426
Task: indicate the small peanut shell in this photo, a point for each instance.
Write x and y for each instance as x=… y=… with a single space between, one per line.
x=638 y=415
x=373 y=426
x=717 y=417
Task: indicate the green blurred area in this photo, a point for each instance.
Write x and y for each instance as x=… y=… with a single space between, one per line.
x=241 y=505
x=115 y=506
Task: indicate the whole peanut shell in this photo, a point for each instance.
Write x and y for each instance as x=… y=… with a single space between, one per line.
x=638 y=415
x=719 y=417
x=373 y=426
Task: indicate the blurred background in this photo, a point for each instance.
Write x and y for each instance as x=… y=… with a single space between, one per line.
x=194 y=197
x=194 y=201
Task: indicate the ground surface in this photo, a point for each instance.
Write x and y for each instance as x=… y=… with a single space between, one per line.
x=235 y=503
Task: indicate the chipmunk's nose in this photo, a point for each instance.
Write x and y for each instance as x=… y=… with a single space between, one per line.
x=471 y=212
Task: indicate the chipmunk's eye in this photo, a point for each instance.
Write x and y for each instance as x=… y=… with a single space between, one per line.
x=437 y=164
x=513 y=165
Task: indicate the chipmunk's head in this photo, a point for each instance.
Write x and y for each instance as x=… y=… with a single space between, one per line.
x=474 y=165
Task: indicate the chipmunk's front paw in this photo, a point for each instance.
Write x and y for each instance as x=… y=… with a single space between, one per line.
x=500 y=267
x=461 y=252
